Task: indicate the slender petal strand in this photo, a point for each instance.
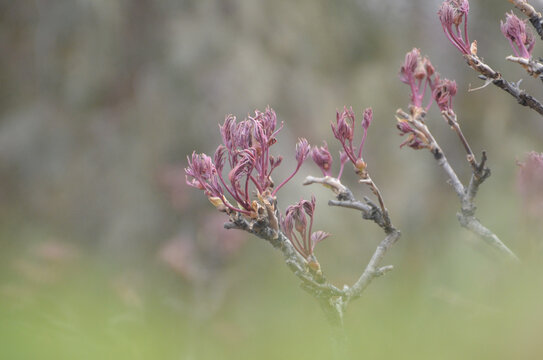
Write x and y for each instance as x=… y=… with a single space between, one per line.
x=343 y=158
x=317 y=237
x=227 y=130
x=302 y=152
x=243 y=135
x=218 y=159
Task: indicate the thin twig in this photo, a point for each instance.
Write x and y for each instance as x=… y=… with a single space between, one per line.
x=370 y=211
x=375 y=190
x=329 y=296
x=477 y=178
x=342 y=192
x=373 y=268
x=452 y=120
x=352 y=204
x=523 y=98
x=332 y=299
x=533 y=68
x=345 y=198
x=466 y=196
x=466 y=216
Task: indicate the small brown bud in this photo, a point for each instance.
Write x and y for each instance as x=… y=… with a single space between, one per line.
x=314 y=265
x=473 y=48
x=360 y=165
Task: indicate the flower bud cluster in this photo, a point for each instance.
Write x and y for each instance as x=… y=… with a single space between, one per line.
x=521 y=40
x=419 y=73
x=344 y=131
x=453 y=15
x=246 y=149
x=296 y=227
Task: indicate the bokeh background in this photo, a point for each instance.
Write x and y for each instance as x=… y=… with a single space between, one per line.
x=106 y=253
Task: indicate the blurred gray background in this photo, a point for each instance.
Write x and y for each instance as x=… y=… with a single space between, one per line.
x=100 y=98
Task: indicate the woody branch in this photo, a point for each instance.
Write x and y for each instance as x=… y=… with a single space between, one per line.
x=419 y=73
x=466 y=195
x=453 y=15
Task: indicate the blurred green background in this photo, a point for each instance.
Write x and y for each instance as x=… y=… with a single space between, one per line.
x=105 y=253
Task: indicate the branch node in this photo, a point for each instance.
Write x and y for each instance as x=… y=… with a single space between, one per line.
x=383 y=270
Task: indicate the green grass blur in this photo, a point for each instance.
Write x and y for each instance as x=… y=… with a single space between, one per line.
x=447 y=305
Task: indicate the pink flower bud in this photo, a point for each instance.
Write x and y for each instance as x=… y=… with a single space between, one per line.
x=521 y=40
x=403 y=126
x=200 y=169
x=430 y=70
x=302 y=150
x=416 y=72
x=322 y=157
x=298 y=229
x=451 y=15
x=443 y=93
x=407 y=71
x=344 y=129
x=368 y=117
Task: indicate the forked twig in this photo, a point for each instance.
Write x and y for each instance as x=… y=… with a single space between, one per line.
x=480 y=172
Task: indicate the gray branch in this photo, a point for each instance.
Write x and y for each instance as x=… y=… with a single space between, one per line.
x=487 y=73
x=370 y=211
x=479 y=174
x=532 y=67
x=329 y=296
x=345 y=198
x=332 y=300
x=373 y=268
x=473 y=224
x=466 y=216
